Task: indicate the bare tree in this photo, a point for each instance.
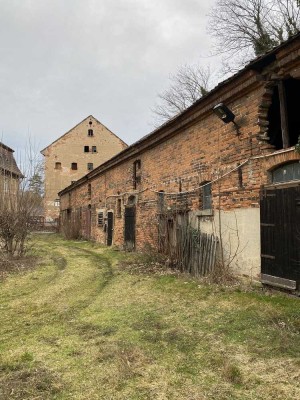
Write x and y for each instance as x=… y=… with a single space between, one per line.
x=19 y=204
x=252 y=27
x=188 y=84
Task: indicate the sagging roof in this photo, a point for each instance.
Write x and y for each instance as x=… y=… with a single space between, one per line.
x=7 y=161
x=257 y=64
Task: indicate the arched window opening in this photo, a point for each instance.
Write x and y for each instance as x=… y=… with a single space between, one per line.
x=286 y=173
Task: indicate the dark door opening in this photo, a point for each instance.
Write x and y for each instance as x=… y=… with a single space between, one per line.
x=283 y=114
x=129 y=232
x=280 y=236
x=110 y=228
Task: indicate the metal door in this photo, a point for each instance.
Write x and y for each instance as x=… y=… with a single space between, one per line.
x=110 y=227
x=280 y=236
x=129 y=232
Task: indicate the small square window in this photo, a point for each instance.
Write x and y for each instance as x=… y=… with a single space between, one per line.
x=90 y=166
x=57 y=165
x=94 y=149
x=86 y=149
x=90 y=132
x=57 y=203
x=74 y=166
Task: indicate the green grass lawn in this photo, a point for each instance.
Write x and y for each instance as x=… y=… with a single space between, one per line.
x=83 y=325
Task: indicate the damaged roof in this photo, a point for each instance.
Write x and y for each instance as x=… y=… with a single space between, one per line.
x=8 y=162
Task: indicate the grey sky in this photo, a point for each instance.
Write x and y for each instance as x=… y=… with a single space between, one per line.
x=62 y=60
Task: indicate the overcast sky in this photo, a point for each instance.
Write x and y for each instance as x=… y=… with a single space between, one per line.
x=62 y=60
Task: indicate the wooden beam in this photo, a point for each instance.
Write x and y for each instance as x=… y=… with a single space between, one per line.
x=283 y=115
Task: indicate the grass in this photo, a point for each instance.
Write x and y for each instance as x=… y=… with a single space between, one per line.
x=84 y=324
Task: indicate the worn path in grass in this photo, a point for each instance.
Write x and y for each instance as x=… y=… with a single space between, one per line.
x=82 y=326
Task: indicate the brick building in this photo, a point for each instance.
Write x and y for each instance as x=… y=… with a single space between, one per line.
x=71 y=156
x=238 y=180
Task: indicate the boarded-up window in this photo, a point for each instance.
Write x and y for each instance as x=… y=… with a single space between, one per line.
x=74 y=166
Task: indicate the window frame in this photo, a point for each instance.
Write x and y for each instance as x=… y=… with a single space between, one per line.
x=205 y=199
x=100 y=219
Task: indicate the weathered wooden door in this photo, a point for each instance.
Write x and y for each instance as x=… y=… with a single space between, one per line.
x=129 y=230
x=280 y=236
x=86 y=223
x=110 y=228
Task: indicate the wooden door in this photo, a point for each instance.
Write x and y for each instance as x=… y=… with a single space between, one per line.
x=280 y=236
x=129 y=229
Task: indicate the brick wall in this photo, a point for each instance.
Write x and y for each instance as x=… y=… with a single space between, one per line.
x=194 y=148
x=70 y=149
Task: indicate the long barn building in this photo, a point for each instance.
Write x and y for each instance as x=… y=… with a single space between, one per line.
x=227 y=168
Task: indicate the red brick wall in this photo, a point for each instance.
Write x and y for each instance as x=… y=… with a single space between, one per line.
x=201 y=148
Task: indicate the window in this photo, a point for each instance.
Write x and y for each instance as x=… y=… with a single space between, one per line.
x=286 y=173
x=90 y=132
x=161 y=201
x=94 y=149
x=86 y=149
x=136 y=173
x=90 y=166
x=57 y=165
x=89 y=190
x=74 y=166
x=119 y=207
x=100 y=218
x=57 y=203
x=205 y=198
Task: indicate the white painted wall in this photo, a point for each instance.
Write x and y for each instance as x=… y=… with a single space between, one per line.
x=240 y=231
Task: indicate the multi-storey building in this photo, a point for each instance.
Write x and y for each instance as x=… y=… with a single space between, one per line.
x=71 y=156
